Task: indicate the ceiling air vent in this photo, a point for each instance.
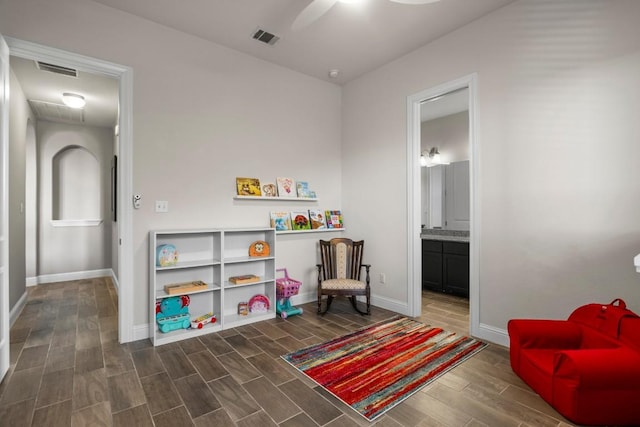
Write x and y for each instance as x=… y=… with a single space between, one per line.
x=265 y=37
x=58 y=69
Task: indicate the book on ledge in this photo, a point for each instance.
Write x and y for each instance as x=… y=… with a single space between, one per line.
x=334 y=219
x=246 y=278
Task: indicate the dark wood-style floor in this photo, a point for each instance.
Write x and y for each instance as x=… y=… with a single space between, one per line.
x=68 y=369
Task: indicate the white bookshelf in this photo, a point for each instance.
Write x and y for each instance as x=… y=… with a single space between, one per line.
x=212 y=256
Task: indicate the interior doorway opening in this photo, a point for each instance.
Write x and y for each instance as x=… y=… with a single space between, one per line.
x=415 y=219
x=123 y=254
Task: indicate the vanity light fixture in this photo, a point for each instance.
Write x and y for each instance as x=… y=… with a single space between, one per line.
x=73 y=100
x=433 y=156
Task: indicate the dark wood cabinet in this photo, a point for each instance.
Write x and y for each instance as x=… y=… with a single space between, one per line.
x=432 y=265
x=445 y=267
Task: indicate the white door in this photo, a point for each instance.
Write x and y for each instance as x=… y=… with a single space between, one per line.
x=457 y=196
x=4 y=214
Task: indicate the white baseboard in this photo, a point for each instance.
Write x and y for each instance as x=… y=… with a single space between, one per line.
x=493 y=335
x=376 y=301
x=17 y=309
x=141 y=332
x=390 y=304
x=116 y=284
x=304 y=298
x=63 y=277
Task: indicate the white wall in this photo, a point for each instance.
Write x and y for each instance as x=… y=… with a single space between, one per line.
x=236 y=116
x=558 y=227
x=559 y=158
x=19 y=118
x=31 y=204
x=73 y=249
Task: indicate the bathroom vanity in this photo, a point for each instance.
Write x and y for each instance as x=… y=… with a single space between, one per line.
x=445 y=261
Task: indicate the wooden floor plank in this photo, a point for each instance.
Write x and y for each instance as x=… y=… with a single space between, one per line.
x=232 y=378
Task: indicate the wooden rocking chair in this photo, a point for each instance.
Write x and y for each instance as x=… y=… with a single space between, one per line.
x=339 y=273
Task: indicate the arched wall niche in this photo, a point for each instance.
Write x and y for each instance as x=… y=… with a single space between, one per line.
x=76 y=184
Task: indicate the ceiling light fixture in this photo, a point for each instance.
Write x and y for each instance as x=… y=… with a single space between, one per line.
x=334 y=73
x=73 y=100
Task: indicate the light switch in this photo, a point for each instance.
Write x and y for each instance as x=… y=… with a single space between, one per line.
x=162 y=206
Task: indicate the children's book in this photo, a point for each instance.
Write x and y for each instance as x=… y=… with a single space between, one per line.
x=302 y=188
x=248 y=187
x=281 y=221
x=334 y=219
x=269 y=190
x=300 y=220
x=316 y=217
x=286 y=187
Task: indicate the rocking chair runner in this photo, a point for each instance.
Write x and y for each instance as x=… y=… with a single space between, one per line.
x=339 y=273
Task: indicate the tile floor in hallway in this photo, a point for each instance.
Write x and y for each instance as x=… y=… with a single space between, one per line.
x=68 y=369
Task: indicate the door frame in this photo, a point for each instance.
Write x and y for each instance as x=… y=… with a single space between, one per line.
x=414 y=196
x=124 y=75
x=5 y=359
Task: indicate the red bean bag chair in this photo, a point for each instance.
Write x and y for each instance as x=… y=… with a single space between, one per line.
x=586 y=367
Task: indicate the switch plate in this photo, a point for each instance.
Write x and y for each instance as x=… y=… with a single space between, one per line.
x=383 y=278
x=162 y=206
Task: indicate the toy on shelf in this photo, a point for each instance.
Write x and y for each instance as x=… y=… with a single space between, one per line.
x=285 y=288
x=205 y=319
x=259 y=248
x=166 y=255
x=180 y=288
x=259 y=304
x=243 y=308
x=173 y=313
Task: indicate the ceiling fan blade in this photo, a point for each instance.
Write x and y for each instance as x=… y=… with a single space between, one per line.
x=315 y=10
x=414 y=1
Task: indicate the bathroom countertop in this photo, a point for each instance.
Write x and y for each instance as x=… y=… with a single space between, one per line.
x=445 y=235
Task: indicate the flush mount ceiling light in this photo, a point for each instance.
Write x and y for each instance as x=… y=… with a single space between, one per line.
x=73 y=100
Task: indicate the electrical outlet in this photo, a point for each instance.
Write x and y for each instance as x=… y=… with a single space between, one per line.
x=162 y=206
x=383 y=278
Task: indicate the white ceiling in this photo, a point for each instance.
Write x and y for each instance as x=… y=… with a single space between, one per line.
x=101 y=94
x=353 y=38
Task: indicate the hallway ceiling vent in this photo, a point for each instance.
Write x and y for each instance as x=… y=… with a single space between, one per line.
x=58 y=69
x=265 y=37
x=59 y=113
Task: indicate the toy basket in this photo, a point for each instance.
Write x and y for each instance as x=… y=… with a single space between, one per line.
x=286 y=286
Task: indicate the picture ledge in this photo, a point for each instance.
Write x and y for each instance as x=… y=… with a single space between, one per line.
x=292 y=199
x=76 y=222
x=321 y=230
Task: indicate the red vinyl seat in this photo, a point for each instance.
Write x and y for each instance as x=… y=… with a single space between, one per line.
x=586 y=367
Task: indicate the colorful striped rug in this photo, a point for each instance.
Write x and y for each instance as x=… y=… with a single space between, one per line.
x=377 y=367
